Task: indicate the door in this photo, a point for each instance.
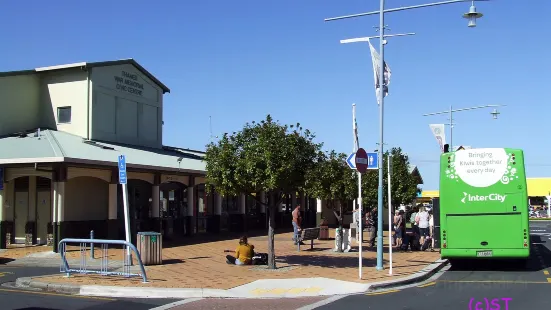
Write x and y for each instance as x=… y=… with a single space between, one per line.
x=21 y=215
x=43 y=215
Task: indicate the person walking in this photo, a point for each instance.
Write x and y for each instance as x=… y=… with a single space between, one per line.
x=423 y=222
x=297 y=221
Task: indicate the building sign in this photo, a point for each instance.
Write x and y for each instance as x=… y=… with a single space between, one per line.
x=174 y=178
x=129 y=82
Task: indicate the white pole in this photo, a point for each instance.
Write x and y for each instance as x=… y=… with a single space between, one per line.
x=354 y=146
x=549 y=206
x=390 y=222
x=126 y=221
x=360 y=221
x=359 y=227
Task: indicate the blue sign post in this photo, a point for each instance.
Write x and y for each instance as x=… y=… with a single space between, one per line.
x=372 y=161
x=122 y=169
x=1 y=179
x=123 y=182
x=351 y=161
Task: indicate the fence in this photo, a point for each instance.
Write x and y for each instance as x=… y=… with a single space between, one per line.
x=103 y=264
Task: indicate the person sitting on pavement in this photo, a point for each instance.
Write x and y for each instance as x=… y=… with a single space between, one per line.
x=243 y=254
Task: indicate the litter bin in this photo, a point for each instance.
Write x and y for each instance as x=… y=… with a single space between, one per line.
x=324 y=233
x=150 y=246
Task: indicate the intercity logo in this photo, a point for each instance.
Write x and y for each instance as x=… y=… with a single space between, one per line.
x=476 y=198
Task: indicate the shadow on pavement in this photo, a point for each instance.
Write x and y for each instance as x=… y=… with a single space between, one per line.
x=336 y=262
x=4 y=261
x=222 y=236
x=507 y=265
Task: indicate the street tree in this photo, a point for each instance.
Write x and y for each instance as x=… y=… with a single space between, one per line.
x=404 y=187
x=334 y=182
x=263 y=157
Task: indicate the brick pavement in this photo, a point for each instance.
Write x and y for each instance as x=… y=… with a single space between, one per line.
x=203 y=265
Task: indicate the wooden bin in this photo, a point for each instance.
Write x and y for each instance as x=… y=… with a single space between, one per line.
x=150 y=246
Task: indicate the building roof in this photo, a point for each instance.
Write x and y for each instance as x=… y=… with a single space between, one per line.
x=537 y=187
x=413 y=170
x=129 y=61
x=47 y=146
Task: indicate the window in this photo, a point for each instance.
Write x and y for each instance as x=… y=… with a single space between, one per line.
x=63 y=115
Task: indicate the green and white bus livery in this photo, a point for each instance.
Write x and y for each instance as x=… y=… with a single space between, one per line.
x=484 y=204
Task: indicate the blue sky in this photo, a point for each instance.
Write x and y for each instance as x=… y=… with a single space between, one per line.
x=240 y=60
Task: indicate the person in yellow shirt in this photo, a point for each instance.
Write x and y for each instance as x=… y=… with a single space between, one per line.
x=243 y=254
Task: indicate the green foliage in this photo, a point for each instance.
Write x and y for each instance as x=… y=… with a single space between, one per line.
x=265 y=156
x=403 y=183
x=333 y=181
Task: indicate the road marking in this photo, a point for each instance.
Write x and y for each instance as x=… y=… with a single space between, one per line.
x=55 y=294
x=427 y=284
x=497 y=281
x=545 y=272
x=383 y=292
x=549 y=280
x=5 y=273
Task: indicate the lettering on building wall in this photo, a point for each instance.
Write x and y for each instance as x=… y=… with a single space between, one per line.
x=129 y=82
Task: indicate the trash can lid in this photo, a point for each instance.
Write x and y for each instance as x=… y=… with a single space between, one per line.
x=149 y=233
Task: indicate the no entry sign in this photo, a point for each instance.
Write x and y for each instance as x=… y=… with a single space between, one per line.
x=361 y=160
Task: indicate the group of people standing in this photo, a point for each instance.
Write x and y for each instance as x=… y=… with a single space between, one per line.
x=422 y=229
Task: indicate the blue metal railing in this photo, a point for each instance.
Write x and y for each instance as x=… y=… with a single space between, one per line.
x=104 y=261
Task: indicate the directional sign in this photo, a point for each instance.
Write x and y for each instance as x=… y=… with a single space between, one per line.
x=351 y=161
x=122 y=169
x=361 y=160
x=372 y=161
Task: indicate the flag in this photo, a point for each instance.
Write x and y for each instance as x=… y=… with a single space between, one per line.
x=375 y=59
x=439 y=133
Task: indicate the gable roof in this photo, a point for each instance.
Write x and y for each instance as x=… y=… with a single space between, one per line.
x=129 y=61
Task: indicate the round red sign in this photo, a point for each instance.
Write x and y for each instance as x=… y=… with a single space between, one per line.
x=361 y=160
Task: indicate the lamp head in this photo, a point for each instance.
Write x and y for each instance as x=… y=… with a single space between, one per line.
x=472 y=16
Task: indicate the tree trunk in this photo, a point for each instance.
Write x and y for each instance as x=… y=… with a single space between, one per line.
x=271 y=232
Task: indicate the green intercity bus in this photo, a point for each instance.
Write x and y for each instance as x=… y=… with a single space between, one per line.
x=484 y=204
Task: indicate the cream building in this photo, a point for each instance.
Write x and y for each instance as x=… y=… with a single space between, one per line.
x=62 y=129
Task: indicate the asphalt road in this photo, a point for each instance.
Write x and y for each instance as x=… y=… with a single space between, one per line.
x=474 y=285
x=12 y=298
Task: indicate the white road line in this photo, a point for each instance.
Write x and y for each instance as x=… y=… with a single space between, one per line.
x=322 y=302
x=176 y=303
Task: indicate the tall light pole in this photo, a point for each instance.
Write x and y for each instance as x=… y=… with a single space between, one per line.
x=472 y=15
x=494 y=114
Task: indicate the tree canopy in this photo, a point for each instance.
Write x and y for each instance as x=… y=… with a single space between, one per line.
x=403 y=184
x=265 y=156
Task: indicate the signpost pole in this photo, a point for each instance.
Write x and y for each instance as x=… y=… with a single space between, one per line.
x=123 y=182
x=359 y=233
x=360 y=239
x=549 y=206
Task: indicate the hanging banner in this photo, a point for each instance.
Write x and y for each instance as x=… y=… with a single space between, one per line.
x=375 y=58
x=439 y=133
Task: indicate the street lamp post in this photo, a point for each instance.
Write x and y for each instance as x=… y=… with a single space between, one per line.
x=494 y=114
x=472 y=15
